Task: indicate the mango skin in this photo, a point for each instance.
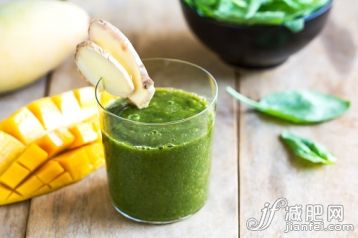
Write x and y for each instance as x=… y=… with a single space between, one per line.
x=36 y=36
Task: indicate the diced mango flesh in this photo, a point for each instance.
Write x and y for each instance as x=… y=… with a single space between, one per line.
x=23 y=125
x=14 y=175
x=47 y=113
x=84 y=133
x=69 y=106
x=10 y=148
x=49 y=171
x=29 y=186
x=87 y=101
x=76 y=162
x=44 y=189
x=106 y=98
x=57 y=172
x=32 y=157
x=86 y=97
x=4 y=193
x=14 y=197
x=95 y=154
x=56 y=141
x=64 y=178
x=49 y=144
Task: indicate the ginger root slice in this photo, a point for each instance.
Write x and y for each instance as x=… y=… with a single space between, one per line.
x=113 y=41
x=95 y=64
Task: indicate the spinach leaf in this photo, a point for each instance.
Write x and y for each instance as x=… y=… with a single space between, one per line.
x=300 y=107
x=306 y=149
x=290 y=13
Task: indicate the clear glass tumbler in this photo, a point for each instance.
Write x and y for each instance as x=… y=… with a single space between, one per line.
x=159 y=172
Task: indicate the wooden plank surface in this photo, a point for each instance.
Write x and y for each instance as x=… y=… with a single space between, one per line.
x=13 y=218
x=84 y=209
x=329 y=64
x=267 y=171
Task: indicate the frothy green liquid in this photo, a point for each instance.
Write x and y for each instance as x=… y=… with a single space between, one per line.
x=159 y=172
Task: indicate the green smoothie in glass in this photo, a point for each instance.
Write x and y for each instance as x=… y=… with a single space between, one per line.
x=158 y=158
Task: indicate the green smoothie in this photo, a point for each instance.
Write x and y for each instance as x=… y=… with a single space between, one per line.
x=158 y=158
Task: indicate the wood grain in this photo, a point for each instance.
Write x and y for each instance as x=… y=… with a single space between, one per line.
x=84 y=209
x=13 y=218
x=268 y=172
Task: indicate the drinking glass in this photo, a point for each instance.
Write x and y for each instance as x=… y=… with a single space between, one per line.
x=159 y=172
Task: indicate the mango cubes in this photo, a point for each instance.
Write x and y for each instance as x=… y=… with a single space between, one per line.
x=23 y=125
x=53 y=142
x=10 y=148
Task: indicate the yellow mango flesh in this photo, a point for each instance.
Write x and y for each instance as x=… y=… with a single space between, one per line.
x=30 y=186
x=44 y=189
x=23 y=125
x=76 y=163
x=57 y=172
x=64 y=178
x=87 y=101
x=14 y=197
x=32 y=157
x=95 y=154
x=56 y=141
x=10 y=147
x=84 y=133
x=47 y=112
x=4 y=193
x=44 y=147
x=69 y=107
x=49 y=171
x=106 y=98
x=14 y=175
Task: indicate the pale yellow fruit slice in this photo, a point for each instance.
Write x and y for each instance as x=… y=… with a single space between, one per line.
x=95 y=64
x=113 y=41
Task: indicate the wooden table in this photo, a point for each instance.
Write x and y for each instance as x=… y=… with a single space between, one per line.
x=247 y=151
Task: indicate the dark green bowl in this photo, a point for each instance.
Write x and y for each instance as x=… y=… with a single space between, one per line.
x=255 y=46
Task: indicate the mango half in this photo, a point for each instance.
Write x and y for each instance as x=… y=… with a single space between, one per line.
x=51 y=143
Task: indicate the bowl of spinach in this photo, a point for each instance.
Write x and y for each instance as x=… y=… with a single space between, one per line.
x=256 y=33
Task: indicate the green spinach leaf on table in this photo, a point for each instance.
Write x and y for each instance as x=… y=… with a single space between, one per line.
x=307 y=149
x=299 y=107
